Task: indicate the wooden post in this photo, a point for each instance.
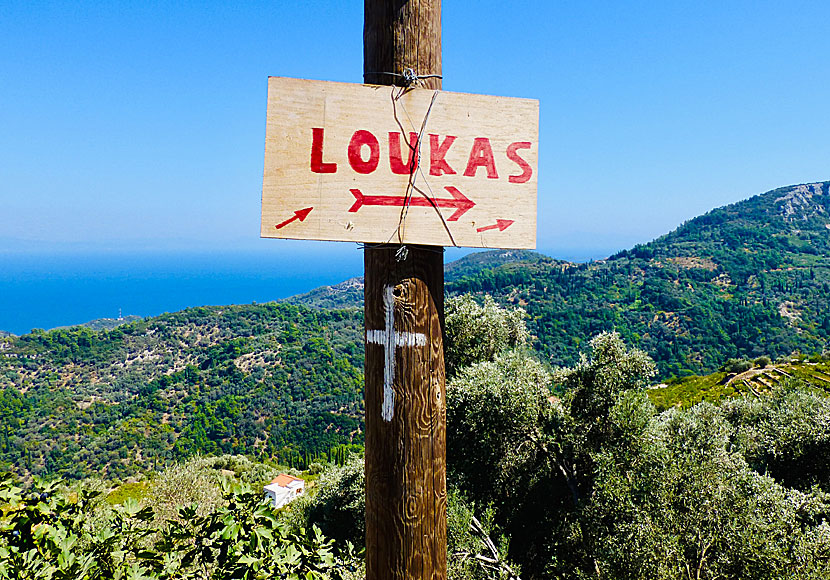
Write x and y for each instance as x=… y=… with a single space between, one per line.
x=406 y=522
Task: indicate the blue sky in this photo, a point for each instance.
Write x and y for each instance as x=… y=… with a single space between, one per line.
x=134 y=126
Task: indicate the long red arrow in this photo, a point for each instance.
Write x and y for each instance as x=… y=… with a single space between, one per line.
x=299 y=214
x=458 y=201
x=500 y=224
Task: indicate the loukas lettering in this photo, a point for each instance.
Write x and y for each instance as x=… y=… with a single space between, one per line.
x=375 y=164
x=363 y=155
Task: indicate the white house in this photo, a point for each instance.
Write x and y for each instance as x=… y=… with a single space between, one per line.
x=283 y=489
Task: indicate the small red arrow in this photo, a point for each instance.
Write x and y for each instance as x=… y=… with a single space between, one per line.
x=459 y=201
x=300 y=214
x=500 y=224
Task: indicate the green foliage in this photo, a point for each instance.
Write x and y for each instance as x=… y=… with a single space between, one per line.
x=684 y=503
x=46 y=534
x=476 y=333
x=763 y=362
x=603 y=485
x=136 y=490
x=576 y=473
x=736 y=366
x=284 y=381
x=339 y=506
x=595 y=383
x=472 y=552
x=43 y=534
x=786 y=435
x=191 y=483
x=494 y=411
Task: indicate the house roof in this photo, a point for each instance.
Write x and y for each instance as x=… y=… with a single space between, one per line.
x=284 y=480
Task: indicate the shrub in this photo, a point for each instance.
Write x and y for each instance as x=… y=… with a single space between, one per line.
x=763 y=362
x=736 y=366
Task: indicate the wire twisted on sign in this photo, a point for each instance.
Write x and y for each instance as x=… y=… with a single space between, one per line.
x=415 y=151
x=402 y=253
x=410 y=78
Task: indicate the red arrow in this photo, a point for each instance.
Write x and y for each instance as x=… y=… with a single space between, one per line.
x=500 y=224
x=299 y=214
x=459 y=201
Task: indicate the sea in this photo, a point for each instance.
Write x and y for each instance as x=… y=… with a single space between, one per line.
x=51 y=290
x=40 y=289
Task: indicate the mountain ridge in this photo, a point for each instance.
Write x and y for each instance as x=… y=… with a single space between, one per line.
x=795 y=201
x=743 y=265
x=747 y=279
x=349 y=293
x=285 y=380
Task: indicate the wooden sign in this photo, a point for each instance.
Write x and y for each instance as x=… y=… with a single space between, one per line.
x=380 y=164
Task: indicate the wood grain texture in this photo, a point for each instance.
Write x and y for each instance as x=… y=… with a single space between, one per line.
x=406 y=456
x=406 y=495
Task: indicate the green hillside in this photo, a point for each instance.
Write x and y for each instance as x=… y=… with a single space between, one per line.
x=271 y=380
x=349 y=294
x=742 y=281
x=755 y=381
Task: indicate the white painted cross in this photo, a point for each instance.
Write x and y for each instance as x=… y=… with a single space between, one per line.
x=390 y=340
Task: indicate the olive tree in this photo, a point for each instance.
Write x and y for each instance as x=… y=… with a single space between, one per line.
x=477 y=332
